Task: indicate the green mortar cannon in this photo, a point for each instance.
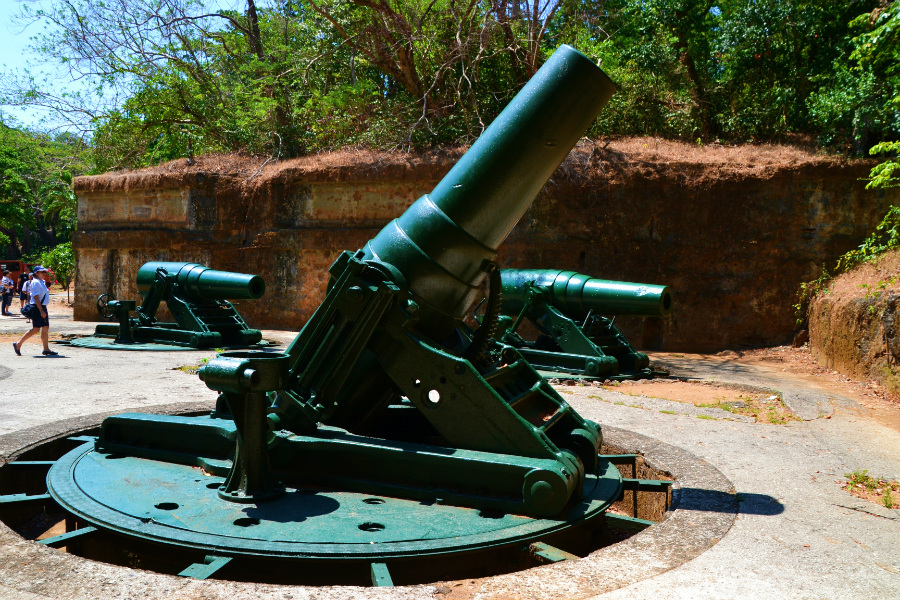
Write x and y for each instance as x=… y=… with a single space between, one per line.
x=571 y=311
x=195 y=295
x=450 y=441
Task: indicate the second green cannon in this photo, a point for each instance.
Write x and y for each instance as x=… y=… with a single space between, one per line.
x=574 y=316
x=198 y=299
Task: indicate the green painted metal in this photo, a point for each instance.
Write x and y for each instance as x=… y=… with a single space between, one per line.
x=440 y=242
x=545 y=553
x=566 y=308
x=107 y=341
x=58 y=541
x=621 y=459
x=206 y=569
x=310 y=522
x=244 y=378
x=196 y=282
x=627 y=523
x=389 y=428
x=120 y=311
x=24 y=499
x=648 y=485
x=195 y=295
x=381 y=576
x=577 y=295
x=389 y=336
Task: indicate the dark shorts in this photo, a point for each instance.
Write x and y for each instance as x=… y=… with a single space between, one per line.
x=40 y=321
x=23 y=296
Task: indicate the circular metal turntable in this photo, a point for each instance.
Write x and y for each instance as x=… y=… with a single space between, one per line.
x=177 y=505
x=165 y=519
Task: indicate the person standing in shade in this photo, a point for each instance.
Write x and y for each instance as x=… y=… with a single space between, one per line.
x=7 y=289
x=40 y=318
x=24 y=280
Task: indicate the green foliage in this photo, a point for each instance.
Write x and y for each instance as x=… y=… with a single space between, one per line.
x=882 y=175
x=61 y=260
x=37 y=205
x=859 y=482
x=885 y=237
x=731 y=70
x=859 y=103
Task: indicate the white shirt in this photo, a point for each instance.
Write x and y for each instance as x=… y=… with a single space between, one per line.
x=26 y=285
x=7 y=284
x=37 y=289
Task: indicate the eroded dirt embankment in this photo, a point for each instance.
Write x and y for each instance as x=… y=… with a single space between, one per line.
x=853 y=325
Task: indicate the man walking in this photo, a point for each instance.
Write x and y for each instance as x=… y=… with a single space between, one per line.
x=40 y=318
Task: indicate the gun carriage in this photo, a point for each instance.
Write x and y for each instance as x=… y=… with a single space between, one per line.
x=574 y=315
x=197 y=298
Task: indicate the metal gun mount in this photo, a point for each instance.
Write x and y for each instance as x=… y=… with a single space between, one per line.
x=389 y=434
x=571 y=311
x=195 y=296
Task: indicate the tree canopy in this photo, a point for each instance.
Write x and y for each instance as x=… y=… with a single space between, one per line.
x=37 y=204
x=161 y=79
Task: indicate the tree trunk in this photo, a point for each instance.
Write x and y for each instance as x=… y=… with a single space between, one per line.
x=699 y=96
x=254 y=39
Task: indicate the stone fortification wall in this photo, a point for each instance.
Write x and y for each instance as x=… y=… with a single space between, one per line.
x=732 y=230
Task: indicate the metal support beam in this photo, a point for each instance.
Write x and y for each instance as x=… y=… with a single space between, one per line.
x=545 y=553
x=627 y=523
x=207 y=568
x=646 y=485
x=58 y=541
x=25 y=500
x=381 y=577
x=619 y=459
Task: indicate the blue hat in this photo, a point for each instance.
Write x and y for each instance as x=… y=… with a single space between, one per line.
x=38 y=269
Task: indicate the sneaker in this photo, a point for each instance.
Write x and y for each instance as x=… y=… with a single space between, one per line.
x=16 y=348
x=49 y=353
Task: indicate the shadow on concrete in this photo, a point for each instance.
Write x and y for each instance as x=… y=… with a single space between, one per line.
x=717 y=501
x=699 y=369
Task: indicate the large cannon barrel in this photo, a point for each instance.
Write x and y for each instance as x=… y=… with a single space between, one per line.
x=575 y=294
x=197 y=282
x=441 y=241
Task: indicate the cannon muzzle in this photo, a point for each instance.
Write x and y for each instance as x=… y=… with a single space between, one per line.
x=576 y=294
x=441 y=241
x=197 y=282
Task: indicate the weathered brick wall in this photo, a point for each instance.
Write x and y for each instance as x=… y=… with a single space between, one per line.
x=733 y=243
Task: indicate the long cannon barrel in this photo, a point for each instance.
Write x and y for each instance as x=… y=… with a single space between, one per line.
x=197 y=282
x=441 y=241
x=577 y=294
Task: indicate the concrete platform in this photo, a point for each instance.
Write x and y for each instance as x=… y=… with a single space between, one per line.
x=759 y=513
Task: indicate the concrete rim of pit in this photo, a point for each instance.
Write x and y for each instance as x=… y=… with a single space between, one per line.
x=704 y=507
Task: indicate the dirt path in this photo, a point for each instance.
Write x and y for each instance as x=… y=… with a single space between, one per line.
x=796 y=366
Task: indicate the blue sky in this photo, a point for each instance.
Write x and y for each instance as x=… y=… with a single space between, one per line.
x=13 y=54
x=14 y=42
